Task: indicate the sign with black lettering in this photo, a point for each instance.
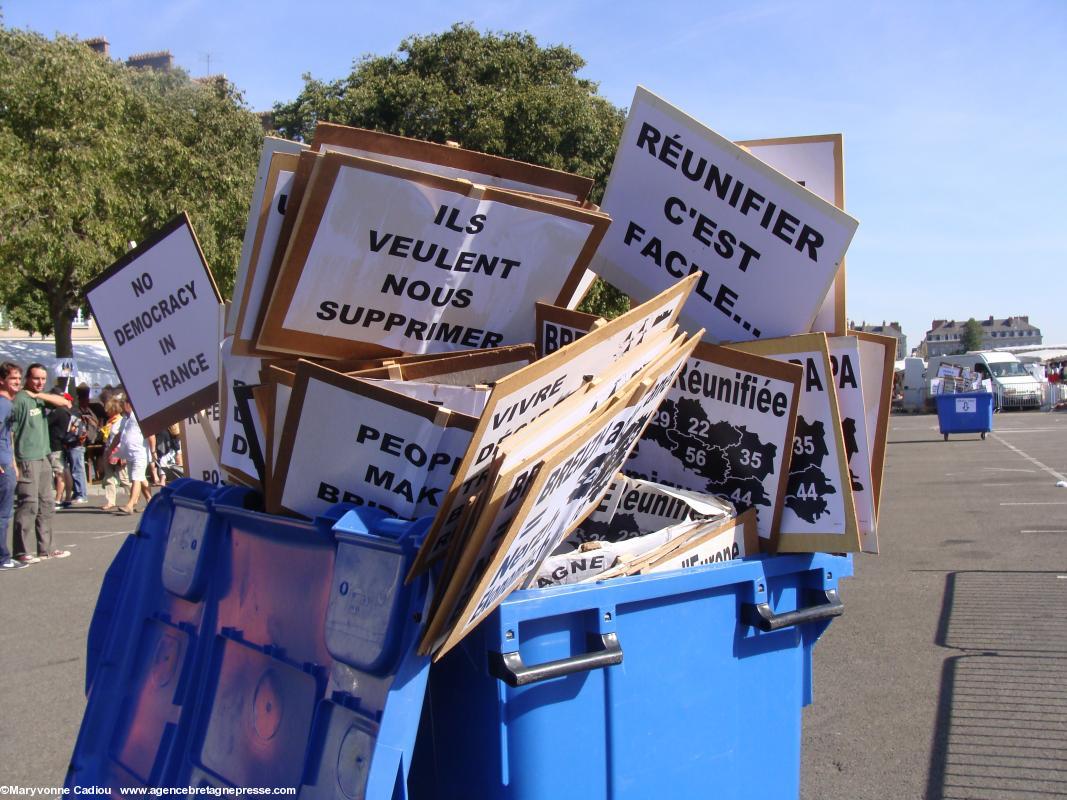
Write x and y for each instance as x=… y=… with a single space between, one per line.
x=718 y=541
x=877 y=356
x=271 y=215
x=200 y=445
x=519 y=398
x=726 y=428
x=347 y=440
x=819 y=514
x=557 y=327
x=848 y=376
x=684 y=201
x=573 y=476
x=271 y=145
x=235 y=451
x=818 y=164
x=440 y=265
x=158 y=310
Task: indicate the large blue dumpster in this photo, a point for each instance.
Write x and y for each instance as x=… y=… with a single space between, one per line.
x=967 y=412
x=680 y=685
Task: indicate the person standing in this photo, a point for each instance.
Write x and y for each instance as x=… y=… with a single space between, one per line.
x=34 y=492
x=110 y=466
x=10 y=383
x=134 y=450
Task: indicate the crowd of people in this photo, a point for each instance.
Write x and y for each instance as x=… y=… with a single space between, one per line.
x=53 y=445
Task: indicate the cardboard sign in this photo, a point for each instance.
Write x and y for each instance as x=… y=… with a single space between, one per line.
x=818 y=164
x=557 y=327
x=573 y=477
x=346 y=440
x=271 y=216
x=847 y=373
x=725 y=541
x=877 y=356
x=251 y=421
x=726 y=428
x=526 y=394
x=271 y=145
x=235 y=453
x=819 y=513
x=455 y=369
x=158 y=309
x=684 y=200
x=417 y=263
x=451 y=162
x=200 y=445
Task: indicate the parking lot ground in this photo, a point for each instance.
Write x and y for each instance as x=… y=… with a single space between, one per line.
x=946 y=678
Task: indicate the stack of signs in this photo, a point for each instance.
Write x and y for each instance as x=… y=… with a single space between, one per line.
x=635 y=519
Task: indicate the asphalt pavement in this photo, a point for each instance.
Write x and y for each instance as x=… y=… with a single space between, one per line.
x=946 y=678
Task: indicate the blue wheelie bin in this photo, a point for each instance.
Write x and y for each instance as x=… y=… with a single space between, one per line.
x=968 y=412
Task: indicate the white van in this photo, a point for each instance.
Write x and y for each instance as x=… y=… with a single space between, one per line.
x=1012 y=384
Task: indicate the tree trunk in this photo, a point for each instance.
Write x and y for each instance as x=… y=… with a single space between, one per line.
x=62 y=316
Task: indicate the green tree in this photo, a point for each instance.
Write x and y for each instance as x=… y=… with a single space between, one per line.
x=93 y=155
x=499 y=93
x=971 y=338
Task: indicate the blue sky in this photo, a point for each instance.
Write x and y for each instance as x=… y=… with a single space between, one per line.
x=954 y=113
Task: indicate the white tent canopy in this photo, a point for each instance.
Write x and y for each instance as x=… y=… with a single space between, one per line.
x=91 y=363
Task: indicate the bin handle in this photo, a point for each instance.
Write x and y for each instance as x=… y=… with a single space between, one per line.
x=762 y=616
x=509 y=668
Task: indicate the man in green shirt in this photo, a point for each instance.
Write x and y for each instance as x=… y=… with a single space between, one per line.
x=35 y=494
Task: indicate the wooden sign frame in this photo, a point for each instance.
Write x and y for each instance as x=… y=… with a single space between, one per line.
x=884 y=406
x=308 y=371
x=835 y=298
x=817 y=541
x=275 y=336
x=187 y=404
x=748 y=364
x=537 y=179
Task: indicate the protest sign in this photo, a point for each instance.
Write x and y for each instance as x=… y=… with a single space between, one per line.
x=347 y=440
x=235 y=453
x=557 y=327
x=684 y=200
x=573 y=476
x=451 y=162
x=271 y=145
x=819 y=513
x=720 y=541
x=251 y=421
x=877 y=355
x=456 y=369
x=726 y=428
x=158 y=309
x=524 y=395
x=817 y=163
x=271 y=216
x=847 y=375
x=198 y=434
x=441 y=265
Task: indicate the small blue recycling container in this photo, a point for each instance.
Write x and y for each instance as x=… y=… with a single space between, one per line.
x=968 y=412
x=686 y=684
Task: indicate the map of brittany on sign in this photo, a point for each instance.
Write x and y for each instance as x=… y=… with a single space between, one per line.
x=808 y=484
x=735 y=461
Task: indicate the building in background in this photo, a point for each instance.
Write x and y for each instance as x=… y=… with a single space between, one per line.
x=944 y=336
x=886 y=329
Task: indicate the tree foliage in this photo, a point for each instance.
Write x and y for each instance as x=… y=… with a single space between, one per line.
x=94 y=154
x=971 y=337
x=498 y=93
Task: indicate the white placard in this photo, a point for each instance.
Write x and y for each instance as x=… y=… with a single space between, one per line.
x=157 y=309
x=200 y=445
x=725 y=428
x=464 y=399
x=235 y=453
x=414 y=263
x=271 y=145
x=817 y=164
x=348 y=441
x=683 y=199
x=845 y=361
x=966 y=405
